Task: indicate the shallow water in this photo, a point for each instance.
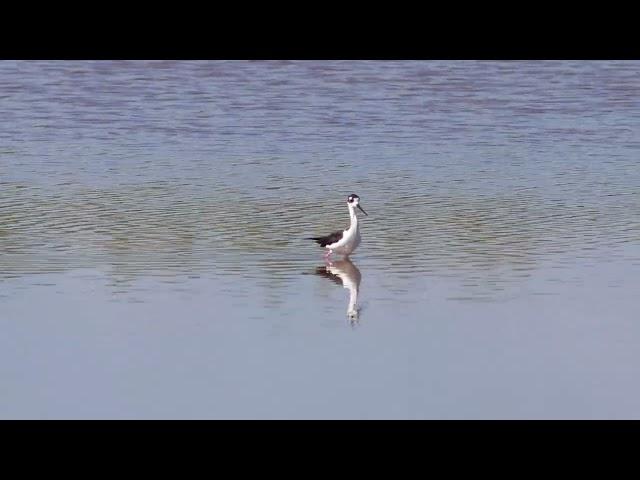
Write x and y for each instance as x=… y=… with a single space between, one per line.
x=153 y=261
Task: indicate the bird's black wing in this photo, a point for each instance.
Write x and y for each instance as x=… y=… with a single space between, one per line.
x=329 y=239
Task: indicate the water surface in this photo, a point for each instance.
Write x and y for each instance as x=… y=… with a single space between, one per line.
x=153 y=261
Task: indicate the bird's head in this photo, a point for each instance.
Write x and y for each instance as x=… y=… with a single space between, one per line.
x=353 y=201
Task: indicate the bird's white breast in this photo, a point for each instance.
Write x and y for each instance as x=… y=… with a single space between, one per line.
x=348 y=243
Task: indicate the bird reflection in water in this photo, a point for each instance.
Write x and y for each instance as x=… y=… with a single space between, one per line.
x=345 y=273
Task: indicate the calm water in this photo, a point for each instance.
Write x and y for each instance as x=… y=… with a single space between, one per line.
x=153 y=261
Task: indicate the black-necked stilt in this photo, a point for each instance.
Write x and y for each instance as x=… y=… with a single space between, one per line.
x=344 y=242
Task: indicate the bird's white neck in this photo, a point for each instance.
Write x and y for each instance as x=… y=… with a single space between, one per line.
x=354 y=217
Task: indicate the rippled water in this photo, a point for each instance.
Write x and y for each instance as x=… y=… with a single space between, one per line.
x=157 y=212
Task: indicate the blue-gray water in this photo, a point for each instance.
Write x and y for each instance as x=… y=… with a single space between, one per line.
x=153 y=261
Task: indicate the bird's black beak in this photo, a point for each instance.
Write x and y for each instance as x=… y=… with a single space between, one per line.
x=362 y=210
